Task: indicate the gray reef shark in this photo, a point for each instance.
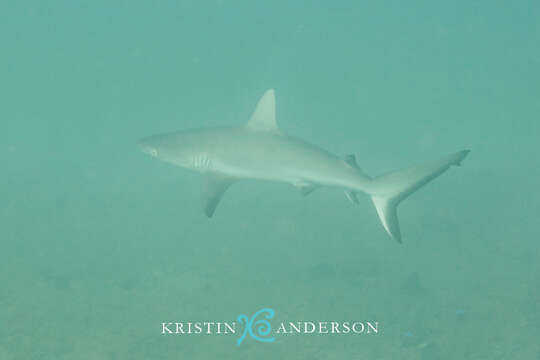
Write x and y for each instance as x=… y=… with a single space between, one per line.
x=259 y=150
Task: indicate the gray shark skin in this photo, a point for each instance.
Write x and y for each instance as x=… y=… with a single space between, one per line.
x=260 y=151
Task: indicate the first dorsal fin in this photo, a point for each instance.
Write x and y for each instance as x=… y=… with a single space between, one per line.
x=264 y=116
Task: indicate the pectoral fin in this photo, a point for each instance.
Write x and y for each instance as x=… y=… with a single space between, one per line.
x=214 y=186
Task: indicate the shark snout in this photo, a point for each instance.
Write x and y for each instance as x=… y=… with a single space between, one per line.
x=147 y=147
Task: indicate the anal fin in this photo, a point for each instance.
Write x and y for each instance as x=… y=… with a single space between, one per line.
x=351 y=195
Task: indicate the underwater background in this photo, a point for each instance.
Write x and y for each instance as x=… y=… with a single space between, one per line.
x=100 y=244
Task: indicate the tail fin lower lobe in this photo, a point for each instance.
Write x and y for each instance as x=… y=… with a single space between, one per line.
x=390 y=189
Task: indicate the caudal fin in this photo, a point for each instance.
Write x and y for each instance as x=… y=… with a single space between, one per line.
x=390 y=189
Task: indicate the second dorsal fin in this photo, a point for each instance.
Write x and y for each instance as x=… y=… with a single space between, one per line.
x=351 y=161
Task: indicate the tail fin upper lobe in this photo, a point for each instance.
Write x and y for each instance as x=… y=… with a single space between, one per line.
x=390 y=189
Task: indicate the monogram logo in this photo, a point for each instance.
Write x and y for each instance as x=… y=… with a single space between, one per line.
x=258 y=329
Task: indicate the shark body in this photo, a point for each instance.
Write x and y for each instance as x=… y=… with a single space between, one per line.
x=260 y=151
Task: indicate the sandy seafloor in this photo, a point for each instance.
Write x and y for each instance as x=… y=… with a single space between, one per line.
x=100 y=244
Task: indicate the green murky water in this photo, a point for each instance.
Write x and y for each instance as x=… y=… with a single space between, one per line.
x=100 y=244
